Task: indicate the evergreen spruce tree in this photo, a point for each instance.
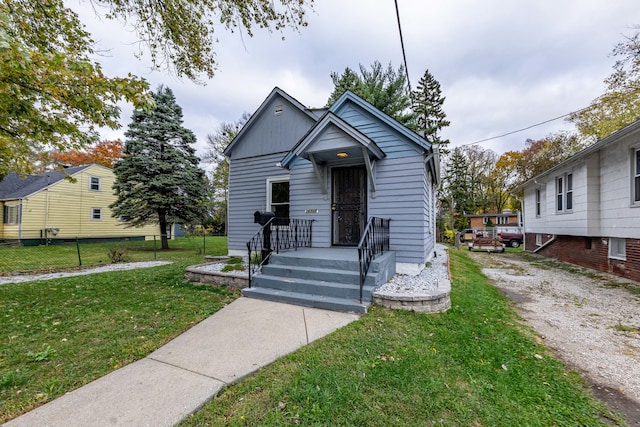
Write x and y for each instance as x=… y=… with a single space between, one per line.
x=383 y=88
x=427 y=105
x=158 y=179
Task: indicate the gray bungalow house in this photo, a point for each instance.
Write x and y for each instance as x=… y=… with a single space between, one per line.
x=336 y=180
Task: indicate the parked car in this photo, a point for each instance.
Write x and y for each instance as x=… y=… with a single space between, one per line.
x=512 y=239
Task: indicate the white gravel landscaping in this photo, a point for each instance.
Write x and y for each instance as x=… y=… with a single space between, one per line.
x=101 y=269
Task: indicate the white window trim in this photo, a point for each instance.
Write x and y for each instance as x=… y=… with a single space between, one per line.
x=622 y=256
x=635 y=174
x=94 y=210
x=563 y=192
x=91 y=178
x=272 y=180
x=17 y=208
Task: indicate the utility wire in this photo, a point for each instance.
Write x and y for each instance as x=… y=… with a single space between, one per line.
x=404 y=55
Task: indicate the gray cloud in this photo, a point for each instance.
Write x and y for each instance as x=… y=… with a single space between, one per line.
x=502 y=64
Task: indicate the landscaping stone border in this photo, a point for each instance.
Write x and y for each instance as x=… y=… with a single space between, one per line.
x=437 y=301
x=234 y=280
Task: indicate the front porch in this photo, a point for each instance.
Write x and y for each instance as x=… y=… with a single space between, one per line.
x=327 y=278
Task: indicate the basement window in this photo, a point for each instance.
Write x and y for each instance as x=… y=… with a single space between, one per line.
x=617 y=248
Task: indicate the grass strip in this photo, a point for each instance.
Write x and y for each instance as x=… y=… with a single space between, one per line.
x=476 y=365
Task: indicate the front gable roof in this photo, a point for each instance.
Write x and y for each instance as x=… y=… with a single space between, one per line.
x=15 y=187
x=324 y=150
x=276 y=92
x=350 y=97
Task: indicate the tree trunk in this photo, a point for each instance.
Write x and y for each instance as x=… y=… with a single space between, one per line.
x=162 y=217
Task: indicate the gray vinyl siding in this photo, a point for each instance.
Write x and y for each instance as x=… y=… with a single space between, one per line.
x=306 y=196
x=400 y=197
x=247 y=194
x=390 y=141
x=273 y=133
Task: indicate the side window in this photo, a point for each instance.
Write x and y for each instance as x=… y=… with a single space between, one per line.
x=96 y=214
x=559 y=194
x=94 y=183
x=564 y=193
x=636 y=175
x=11 y=214
x=538 y=202
x=278 y=197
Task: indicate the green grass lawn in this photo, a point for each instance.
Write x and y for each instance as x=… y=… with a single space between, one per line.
x=65 y=256
x=58 y=335
x=475 y=365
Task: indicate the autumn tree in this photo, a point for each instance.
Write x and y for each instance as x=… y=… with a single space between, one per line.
x=619 y=105
x=217 y=142
x=104 y=153
x=430 y=118
x=501 y=180
x=384 y=88
x=158 y=180
x=54 y=95
x=541 y=155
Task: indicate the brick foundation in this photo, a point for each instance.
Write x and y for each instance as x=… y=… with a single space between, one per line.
x=590 y=252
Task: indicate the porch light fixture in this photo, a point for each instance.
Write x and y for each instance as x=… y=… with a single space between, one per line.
x=342 y=155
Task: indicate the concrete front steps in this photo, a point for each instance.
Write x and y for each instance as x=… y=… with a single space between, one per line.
x=326 y=278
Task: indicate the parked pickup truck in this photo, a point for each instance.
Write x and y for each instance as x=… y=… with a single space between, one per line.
x=512 y=239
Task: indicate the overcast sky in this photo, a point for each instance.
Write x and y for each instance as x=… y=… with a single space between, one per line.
x=503 y=65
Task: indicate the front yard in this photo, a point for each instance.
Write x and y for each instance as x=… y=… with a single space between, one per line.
x=474 y=365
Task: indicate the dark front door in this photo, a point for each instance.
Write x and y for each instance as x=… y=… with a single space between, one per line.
x=349 y=205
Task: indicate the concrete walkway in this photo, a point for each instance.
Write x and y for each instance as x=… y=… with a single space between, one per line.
x=177 y=379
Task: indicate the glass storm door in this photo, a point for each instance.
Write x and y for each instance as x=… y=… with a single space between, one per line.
x=349 y=204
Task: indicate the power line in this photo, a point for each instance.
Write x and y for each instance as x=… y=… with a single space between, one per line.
x=404 y=55
x=615 y=96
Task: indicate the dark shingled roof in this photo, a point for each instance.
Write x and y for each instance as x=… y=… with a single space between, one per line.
x=15 y=187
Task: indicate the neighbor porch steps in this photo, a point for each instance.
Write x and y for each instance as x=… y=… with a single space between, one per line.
x=320 y=278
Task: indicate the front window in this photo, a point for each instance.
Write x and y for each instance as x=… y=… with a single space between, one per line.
x=617 y=248
x=11 y=214
x=94 y=183
x=278 y=197
x=96 y=214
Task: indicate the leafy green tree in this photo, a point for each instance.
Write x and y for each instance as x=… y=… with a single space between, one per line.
x=54 y=96
x=430 y=118
x=158 y=180
x=385 y=89
x=619 y=106
x=217 y=142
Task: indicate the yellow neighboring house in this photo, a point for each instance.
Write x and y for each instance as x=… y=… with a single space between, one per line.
x=63 y=206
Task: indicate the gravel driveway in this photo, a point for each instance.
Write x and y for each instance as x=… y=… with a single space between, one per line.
x=590 y=320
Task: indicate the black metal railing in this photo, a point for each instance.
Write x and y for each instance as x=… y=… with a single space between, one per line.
x=374 y=241
x=278 y=234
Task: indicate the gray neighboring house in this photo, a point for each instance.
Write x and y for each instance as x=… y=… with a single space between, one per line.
x=586 y=210
x=305 y=163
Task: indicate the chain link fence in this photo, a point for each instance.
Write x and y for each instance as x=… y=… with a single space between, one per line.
x=49 y=254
